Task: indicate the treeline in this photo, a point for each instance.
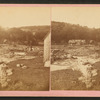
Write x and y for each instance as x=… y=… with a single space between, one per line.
x=24 y=35
x=40 y=31
x=63 y=32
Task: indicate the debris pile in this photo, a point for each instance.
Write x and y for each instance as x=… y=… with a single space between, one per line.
x=4 y=73
x=60 y=55
x=87 y=74
x=82 y=51
x=9 y=72
x=12 y=59
x=21 y=66
x=40 y=53
x=78 y=63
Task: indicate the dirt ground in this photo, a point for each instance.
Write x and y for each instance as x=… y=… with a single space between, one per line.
x=79 y=72
x=33 y=76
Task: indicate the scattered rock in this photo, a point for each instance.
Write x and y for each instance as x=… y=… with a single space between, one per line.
x=18 y=65
x=4 y=84
x=86 y=63
x=94 y=72
x=24 y=67
x=9 y=72
x=93 y=80
x=8 y=80
x=11 y=54
x=21 y=65
x=40 y=54
x=47 y=64
x=20 y=53
x=80 y=78
x=3 y=65
x=88 y=85
x=1 y=62
x=74 y=57
x=69 y=56
x=73 y=69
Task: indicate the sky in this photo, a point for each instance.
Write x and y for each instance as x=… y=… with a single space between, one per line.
x=30 y=16
x=84 y=16
x=24 y=16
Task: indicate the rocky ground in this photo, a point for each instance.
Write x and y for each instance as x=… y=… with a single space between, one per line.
x=22 y=70
x=75 y=68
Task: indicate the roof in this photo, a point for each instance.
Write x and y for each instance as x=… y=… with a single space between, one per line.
x=46 y=35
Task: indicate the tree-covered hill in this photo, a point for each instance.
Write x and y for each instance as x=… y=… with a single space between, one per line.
x=62 y=32
x=40 y=31
x=24 y=35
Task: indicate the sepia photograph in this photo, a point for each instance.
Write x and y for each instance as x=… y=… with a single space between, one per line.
x=75 y=48
x=24 y=48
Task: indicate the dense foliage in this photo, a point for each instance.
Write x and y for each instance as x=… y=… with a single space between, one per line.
x=24 y=35
x=63 y=32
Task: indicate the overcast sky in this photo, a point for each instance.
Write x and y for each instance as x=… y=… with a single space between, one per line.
x=85 y=16
x=24 y=16
x=30 y=16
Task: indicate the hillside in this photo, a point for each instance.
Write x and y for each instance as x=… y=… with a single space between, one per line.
x=40 y=31
x=33 y=34
x=62 y=32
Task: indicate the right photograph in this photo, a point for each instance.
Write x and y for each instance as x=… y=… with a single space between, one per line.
x=75 y=48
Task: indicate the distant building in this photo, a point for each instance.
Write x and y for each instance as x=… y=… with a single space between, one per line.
x=47 y=50
x=76 y=42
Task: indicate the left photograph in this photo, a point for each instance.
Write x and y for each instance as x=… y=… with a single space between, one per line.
x=25 y=41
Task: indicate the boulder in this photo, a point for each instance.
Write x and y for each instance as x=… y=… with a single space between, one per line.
x=9 y=72
x=18 y=65
x=24 y=67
